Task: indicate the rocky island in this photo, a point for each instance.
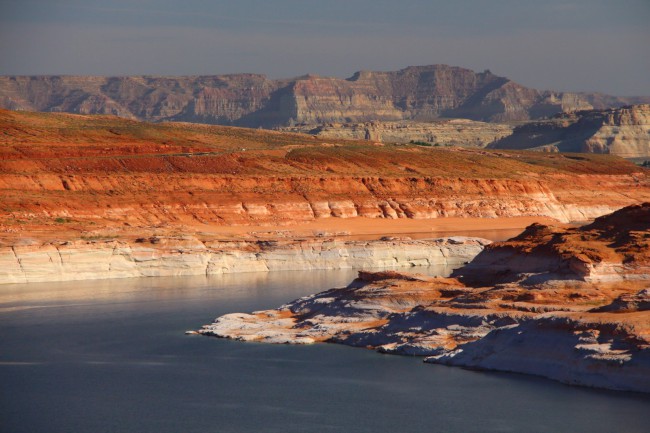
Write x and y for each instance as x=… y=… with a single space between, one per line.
x=570 y=304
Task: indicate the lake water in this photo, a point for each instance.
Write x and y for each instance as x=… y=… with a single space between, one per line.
x=111 y=356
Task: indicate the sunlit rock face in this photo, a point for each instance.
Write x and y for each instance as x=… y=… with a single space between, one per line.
x=615 y=247
x=448 y=132
x=79 y=191
x=179 y=256
x=621 y=131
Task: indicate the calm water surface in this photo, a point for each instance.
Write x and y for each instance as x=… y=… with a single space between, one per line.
x=111 y=356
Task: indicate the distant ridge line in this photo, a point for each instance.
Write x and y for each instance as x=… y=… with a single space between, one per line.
x=420 y=93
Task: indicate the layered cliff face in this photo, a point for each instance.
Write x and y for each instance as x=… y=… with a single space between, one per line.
x=450 y=132
x=222 y=99
x=188 y=255
x=90 y=176
x=413 y=93
x=614 y=247
x=623 y=131
x=579 y=332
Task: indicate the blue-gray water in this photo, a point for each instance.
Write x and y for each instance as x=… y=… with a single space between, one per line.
x=111 y=356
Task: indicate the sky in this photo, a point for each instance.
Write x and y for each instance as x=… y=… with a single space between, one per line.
x=566 y=45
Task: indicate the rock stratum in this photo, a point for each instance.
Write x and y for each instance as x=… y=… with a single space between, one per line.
x=88 y=187
x=570 y=304
x=181 y=256
x=420 y=93
x=449 y=132
x=65 y=176
x=622 y=131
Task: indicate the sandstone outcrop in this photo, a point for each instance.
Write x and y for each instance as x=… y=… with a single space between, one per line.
x=622 y=131
x=613 y=248
x=179 y=256
x=66 y=175
x=414 y=93
x=449 y=132
x=574 y=324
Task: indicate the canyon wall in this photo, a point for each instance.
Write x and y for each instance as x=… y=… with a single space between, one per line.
x=420 y=93
x=449 y=132
x=64 y=176
x=128 y=202
x=622 y=131
x=177 y=256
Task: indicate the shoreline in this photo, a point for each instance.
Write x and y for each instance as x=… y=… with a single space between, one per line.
x=352 y=228
x=571 y=304
x=181 y=256
x=326 y=243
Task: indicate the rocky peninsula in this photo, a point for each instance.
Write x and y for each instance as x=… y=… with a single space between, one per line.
x=570 y=304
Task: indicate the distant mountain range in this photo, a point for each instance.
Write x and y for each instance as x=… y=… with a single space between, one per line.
x=419 y=93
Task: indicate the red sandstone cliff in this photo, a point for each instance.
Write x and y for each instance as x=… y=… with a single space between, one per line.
x=86 y=173
x=614 y=247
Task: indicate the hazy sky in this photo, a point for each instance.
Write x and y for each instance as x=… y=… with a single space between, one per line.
x=590 y=45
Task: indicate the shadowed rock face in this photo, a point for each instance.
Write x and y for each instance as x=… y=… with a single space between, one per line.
x=594 y=333
x=623 y=131
x=414 y=93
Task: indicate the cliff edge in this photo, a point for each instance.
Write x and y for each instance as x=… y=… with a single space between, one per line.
x=66 y=176
x=621 y=131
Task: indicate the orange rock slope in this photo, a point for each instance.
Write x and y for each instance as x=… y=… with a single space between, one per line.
x=614 y=247
x=568 y=304
x=65 y=176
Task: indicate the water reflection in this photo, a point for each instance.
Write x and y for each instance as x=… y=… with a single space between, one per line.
x=42 y=295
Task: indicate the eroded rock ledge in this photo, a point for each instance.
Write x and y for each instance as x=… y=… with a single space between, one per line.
x=177 y=256
x=568 y=304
